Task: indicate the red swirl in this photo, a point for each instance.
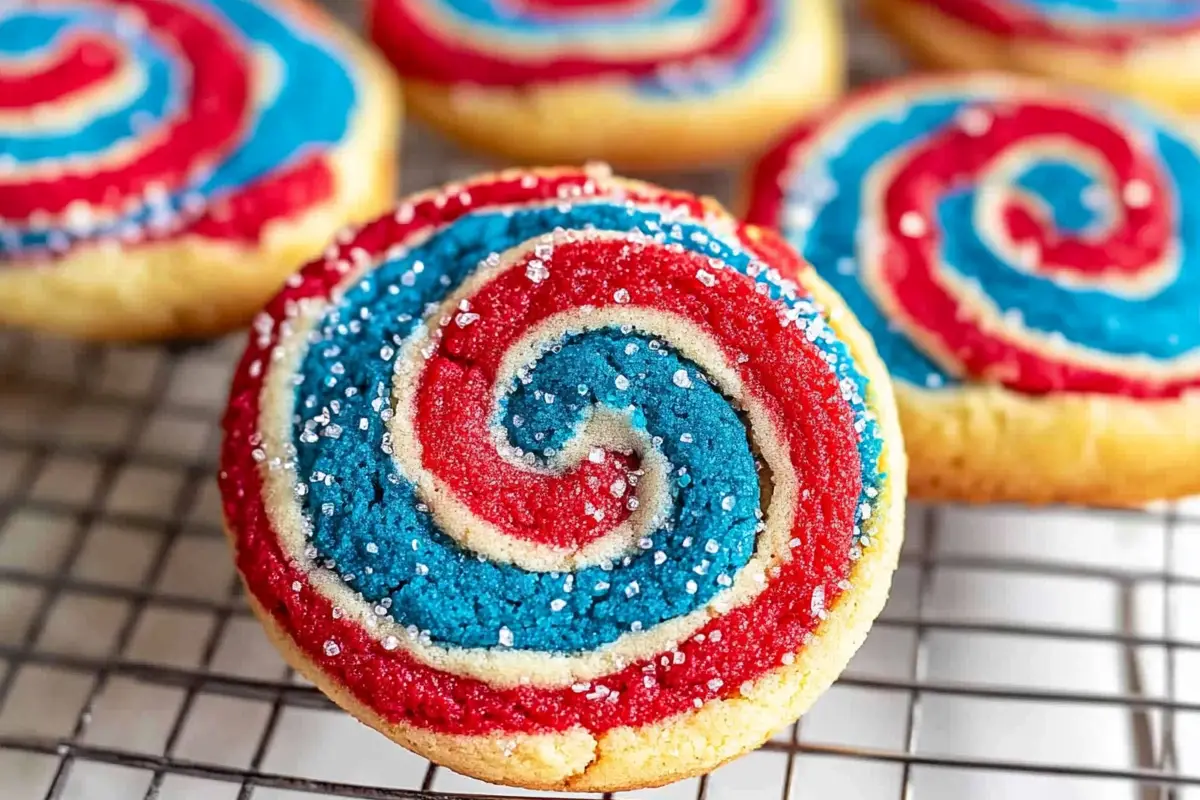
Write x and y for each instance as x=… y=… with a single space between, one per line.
x=922 y=296
x=579 y=8
x=453 y=415
x=1014 y=20
x=420 y=49
x=205 y=130
x=785 y=372
x=908 y=268
x=954 y=158
x=213 y=117
x=78 y=64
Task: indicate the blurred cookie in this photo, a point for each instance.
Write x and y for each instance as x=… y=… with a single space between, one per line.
x=163 y=165
x=1147 y=48
x=639 y=84
x=1027 y=259
x=547 y=477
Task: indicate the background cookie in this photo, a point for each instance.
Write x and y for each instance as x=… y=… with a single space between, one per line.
x=509 y=513
x=640 y=84
x=163 y=164
x=1149 y=48
x=1027 y=261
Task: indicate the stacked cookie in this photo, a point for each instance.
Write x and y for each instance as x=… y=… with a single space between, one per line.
x=638 y=83
x=164 y=165
x=1023 y=254
x=1148 y=48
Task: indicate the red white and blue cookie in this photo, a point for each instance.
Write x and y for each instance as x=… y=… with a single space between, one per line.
x=639 y=83
x=164 y=164
x=1148 y=48
x=1027 y=259
x=549 y=477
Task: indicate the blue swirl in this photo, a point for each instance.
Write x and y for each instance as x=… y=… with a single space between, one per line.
x=1115 y=12
x=509 y=18
x=279 y=133
x=734 y=72
x=1069 y=185
x=28 y=35
x=366 y=520
x=1161 y=326
x=498 y=17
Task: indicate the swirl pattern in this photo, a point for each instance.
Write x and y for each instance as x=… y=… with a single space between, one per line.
x=1009 y=232
x=145 y=119
x=665 y=48
x=497 y=462
x=1108 y=24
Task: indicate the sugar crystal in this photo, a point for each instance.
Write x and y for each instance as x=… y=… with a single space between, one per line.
x=817 y=604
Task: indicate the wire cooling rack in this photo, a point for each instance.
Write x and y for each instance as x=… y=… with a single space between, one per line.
x=1050 y=653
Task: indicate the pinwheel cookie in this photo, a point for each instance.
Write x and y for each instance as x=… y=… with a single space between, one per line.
x=549 y=478
x=1149 y=48
x=164 y=164
x=639 y=83
x=1028 y=261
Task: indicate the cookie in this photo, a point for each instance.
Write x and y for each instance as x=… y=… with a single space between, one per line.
x=641 y=84
x=1026 y=258
x=547 y=477
x=1148 y=48
x=165 y=164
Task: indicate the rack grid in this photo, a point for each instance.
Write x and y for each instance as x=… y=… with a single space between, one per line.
x=1025 y=652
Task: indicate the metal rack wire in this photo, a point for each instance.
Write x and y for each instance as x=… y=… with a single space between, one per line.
x=122 y=628
x=30 y=450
